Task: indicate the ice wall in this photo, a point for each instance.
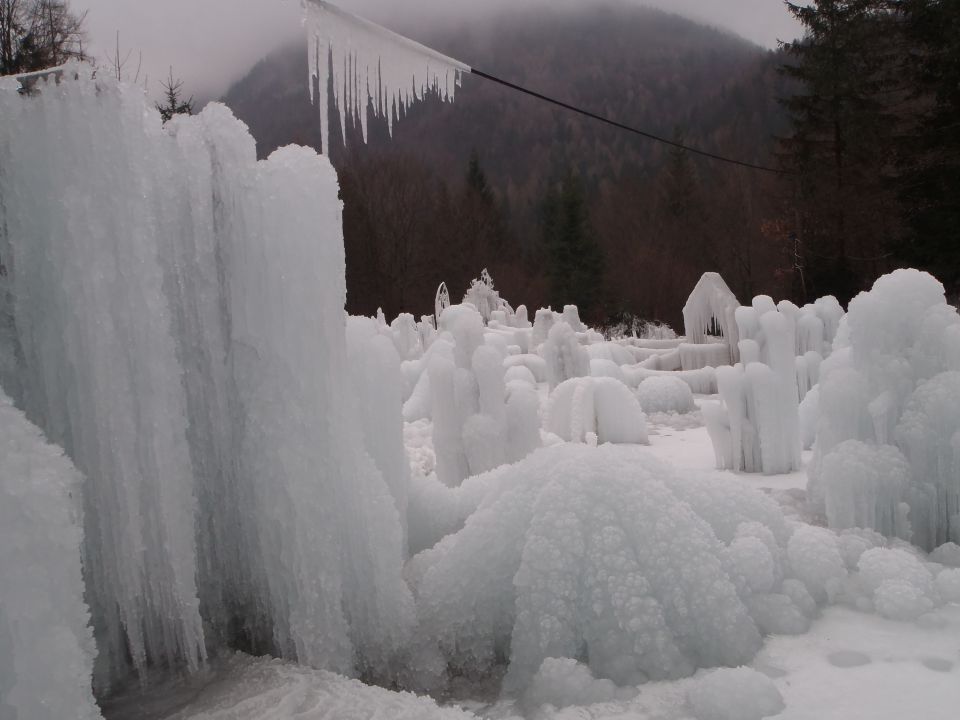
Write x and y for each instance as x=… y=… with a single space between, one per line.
x=174 y=316
x=46 y=645
x=86 y=186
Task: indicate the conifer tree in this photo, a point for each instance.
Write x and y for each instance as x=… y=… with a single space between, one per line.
x=842 y=148
x=574 y=259
x=174 y=104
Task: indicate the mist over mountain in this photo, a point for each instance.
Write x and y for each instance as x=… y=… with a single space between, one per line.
x=646 y=68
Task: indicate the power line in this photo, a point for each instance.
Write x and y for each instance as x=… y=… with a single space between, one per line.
x=628 y=128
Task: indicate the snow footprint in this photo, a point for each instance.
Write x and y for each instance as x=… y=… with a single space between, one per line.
x=848 y=659
x=937 y=664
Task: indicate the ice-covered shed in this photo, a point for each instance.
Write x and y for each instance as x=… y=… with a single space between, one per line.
x=708 y=316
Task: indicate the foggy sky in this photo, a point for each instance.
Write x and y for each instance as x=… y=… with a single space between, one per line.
x=212 y=43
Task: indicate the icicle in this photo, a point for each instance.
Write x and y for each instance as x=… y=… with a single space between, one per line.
x=409 y=73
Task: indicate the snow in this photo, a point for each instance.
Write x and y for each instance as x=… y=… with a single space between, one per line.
x=46 y=645
x=240 y=687
x=735 y=694
x=370 y=69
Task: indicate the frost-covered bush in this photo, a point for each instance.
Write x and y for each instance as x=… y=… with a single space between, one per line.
x=734 y=694
x=894 y=378
x=601 y=407
x=581 y=552
x=482 y=295
x=665 y=395
x=46 y=646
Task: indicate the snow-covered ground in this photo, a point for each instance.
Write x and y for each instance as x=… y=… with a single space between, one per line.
x=851 y=665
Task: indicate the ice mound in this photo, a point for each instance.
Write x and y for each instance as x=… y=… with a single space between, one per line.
x=947 y=554
x=665 y=395
x=815 y=560
x=894 y=379
x=46 y=645
x=562 y=682
x=948 y=585
x=735 y=694
x=899 y=584
x=586 y=553
x=241 y=687
x=863 y=487
x=598 y=407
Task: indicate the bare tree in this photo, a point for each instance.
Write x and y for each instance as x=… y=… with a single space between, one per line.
x=38 y=34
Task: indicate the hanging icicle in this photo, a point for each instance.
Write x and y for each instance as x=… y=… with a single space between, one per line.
x=369 y=66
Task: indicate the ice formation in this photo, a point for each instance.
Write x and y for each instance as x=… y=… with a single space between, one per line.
x=735 y=694
x=369 y=68
x=602 y=554
x=757 y=426
x=476 y=424
x=377 y=384
x=230 y=497
x=893 y=379
x=901 y=587
x=46 y=646
x=665 y=395
x=863 y=487
x=709 y=311
x=563 y=354
x=484 y=297
x=563 y=682
x=595 y=407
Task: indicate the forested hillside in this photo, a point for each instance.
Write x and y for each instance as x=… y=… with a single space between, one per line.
x=414 y=215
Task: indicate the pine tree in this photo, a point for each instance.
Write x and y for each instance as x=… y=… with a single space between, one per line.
x=173 y=103
x=574 y=259
x=843 y=143
x=931 y=155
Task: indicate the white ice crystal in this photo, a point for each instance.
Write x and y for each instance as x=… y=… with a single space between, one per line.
x=46 y=646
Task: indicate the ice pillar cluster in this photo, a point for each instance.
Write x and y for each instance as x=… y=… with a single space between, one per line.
x=171 y=314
